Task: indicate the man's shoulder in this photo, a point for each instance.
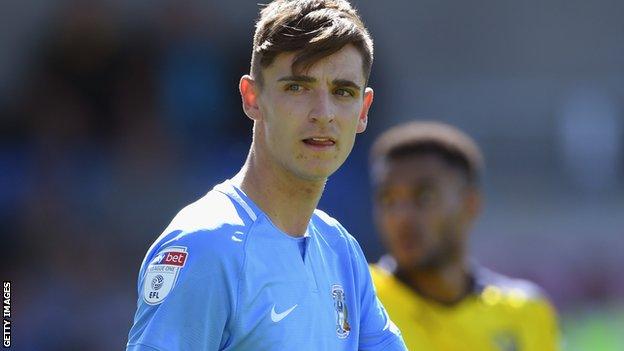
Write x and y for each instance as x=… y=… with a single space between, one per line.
x=329 y=226
x=519 y=299
x=518 y=292
x=339 y=240
x=212 y=227
x=213 y=212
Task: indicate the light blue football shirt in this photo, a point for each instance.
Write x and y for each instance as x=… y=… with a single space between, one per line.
x=222 y=276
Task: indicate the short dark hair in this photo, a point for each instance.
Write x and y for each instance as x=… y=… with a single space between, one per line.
x=410 y=139
x=315 y=28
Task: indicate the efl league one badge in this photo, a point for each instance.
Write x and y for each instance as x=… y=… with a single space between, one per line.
x=162 y=273
x=342 y=323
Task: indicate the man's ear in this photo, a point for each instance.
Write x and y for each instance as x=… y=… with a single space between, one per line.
x=363 y=118
x=248 y=88
x=473 y=201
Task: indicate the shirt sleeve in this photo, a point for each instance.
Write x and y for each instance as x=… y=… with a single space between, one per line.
x=542 y=333
x=186 y=295
x=377 y=331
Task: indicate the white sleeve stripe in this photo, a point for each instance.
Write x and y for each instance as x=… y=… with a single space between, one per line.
x=248 y=209
x=231 y=192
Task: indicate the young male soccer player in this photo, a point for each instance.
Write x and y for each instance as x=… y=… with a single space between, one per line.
x=252 y=265
x=426 y=179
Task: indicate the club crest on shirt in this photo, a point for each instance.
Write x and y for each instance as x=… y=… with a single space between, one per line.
x=342 y=315
x=162 y=273
x=506 y=341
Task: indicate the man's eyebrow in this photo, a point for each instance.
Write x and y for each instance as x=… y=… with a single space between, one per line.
x=346 y=83
x=306 y=79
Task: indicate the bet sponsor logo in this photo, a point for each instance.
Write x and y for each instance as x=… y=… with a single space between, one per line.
x=174 y=258
x=162 y=273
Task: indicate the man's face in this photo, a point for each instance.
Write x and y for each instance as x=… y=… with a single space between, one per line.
x=422 y=210
x=307 y=121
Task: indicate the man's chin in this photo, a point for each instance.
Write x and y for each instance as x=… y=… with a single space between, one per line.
x=316 y=173
x=419 y=263
x=433 y=263
x=312 y=175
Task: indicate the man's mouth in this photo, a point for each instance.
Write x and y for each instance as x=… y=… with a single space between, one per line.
x=320 y=141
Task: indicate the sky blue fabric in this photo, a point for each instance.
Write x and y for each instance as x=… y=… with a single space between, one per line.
x=245 y=286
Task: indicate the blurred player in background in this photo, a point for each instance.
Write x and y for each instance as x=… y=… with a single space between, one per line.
x=253 y=265
x=426 y=179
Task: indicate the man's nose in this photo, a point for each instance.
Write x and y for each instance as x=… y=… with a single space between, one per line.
x=322 y=109
x=405 y=212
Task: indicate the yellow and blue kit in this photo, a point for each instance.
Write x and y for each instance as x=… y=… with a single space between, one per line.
x=501 y=314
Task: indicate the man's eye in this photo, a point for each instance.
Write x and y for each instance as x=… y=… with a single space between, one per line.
x=385 y=200
x=294 y=87
x=344 y=92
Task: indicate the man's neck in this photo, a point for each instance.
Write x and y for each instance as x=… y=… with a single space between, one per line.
x=288 y=200
x=447 y=285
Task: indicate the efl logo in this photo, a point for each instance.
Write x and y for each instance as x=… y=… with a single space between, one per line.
x=174 y=258
x=162 y=273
